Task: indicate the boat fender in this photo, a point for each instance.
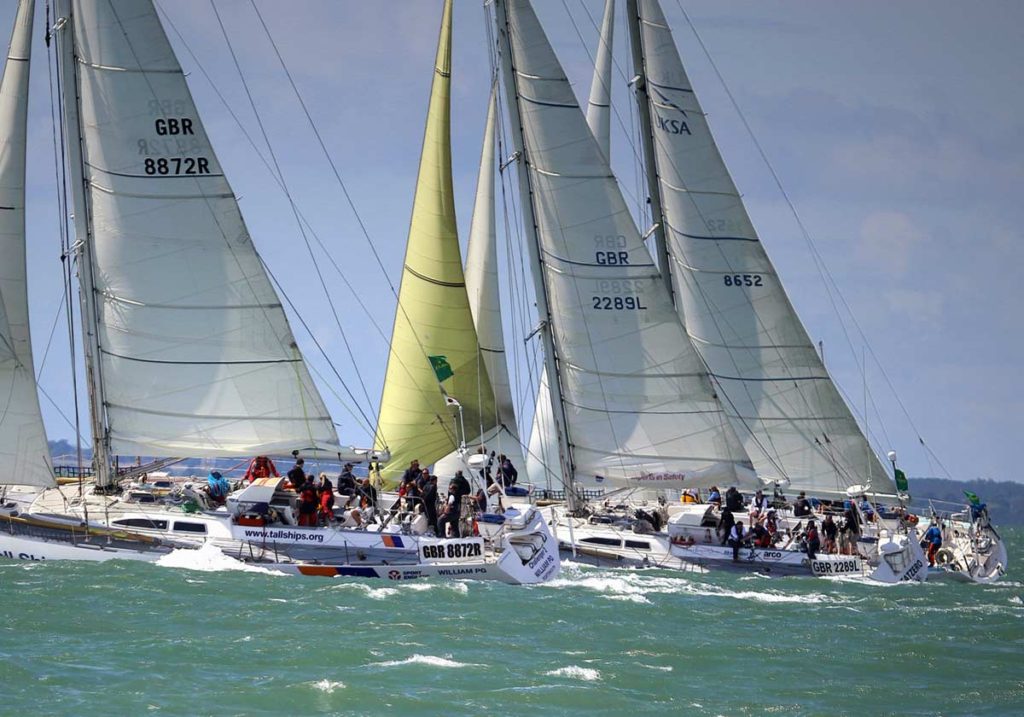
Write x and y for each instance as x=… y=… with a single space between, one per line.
x=912 y=519
x=944 y=556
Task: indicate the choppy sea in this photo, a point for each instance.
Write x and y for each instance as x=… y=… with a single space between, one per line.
x=138 y=639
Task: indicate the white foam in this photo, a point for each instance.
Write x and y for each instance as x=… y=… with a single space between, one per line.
x=587 y=674
x=662 y=668
x=328 y=686
x=207 y=559
x=431 y=660
x=629 y=598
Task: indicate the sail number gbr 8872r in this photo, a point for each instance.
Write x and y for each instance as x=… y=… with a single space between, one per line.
x=179 y=128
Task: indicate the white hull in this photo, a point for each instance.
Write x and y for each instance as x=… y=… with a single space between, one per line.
x=772 y=562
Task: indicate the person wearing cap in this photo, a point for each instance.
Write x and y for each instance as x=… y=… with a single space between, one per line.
x=297 y=475
x=347 y=482
x=412 y=472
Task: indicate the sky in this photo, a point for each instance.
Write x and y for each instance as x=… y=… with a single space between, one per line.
x=894 y=129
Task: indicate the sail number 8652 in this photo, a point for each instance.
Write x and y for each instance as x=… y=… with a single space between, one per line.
x=742 y=280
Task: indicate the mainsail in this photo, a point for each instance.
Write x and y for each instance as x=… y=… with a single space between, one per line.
x=191 y=351
x=24 y=456
x=783 y=404
x=543 y=447
x=435 y=357
x=637 y=402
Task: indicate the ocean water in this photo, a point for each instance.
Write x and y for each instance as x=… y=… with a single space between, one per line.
x=137 y=639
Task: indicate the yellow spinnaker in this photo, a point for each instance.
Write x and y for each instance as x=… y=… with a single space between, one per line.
x=433 y=316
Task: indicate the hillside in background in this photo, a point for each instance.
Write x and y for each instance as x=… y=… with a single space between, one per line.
x=1005 y=499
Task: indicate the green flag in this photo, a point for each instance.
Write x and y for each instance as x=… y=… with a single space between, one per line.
x=442 y=369
x=975 y=500
x=901 y=481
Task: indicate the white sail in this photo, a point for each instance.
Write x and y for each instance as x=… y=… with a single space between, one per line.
x=636 y=397
x=482 y=286
x=543 y=446
x=600 y=103
x=24 y=455
x=784 y=406
x=196 y=356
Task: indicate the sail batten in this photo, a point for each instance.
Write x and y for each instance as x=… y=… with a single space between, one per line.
x=194 y=352
x=636 y=397
x=790 y=416
x=24 y=454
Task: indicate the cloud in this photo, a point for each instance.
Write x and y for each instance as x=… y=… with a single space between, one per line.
x=888 y=240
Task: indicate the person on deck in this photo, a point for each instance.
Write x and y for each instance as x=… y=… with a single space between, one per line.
x=261 y=467
x=734 y=499
x=326 y=511
x=725 y=523
x=412 y=472
x=429 y=496
x=802 y=507
x=771 y=523
x=812 y=539
x=297 y=475
x=347 y=482
x=714 y=497
x=736 y=539
x=308 y=503
x=831 y=530
x=851 y=528
x=507 y=473
x=218 y=487
x=933 y=537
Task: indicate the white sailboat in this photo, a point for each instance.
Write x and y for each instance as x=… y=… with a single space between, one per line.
x=188 y=348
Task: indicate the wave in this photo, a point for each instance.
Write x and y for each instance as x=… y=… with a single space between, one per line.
x=431 y=660
x=587 y=674
x=208 y=559
x=327 y=686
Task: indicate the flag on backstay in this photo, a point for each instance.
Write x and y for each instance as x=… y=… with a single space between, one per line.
x=901 y=481
x=973 y=497
x=442 y=369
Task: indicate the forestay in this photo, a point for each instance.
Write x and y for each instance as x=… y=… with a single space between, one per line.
x=24 y=455
x=196 y=354
x=784 y=406
x=433 y=320
x=637 y=401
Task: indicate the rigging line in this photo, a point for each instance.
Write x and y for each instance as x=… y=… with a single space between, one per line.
x=53 y=329
x=819 y=261
x=67 y=258
x=291 y=200
x=615 y=112
x=337 y=175
x=274 y=177
x=327 y=155
x=282 y=292
x=63 y=415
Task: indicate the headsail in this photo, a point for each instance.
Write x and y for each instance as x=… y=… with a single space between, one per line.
x=195 y=354
x=434 y=347
x=637 y=400
x=781 y=399
x=24 y=455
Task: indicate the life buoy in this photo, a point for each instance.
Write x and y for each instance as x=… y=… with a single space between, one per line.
x=912 y=519
x=944 y=556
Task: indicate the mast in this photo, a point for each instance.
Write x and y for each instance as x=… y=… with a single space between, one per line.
x=661 y=251
x=533 y=243
x=84 y=242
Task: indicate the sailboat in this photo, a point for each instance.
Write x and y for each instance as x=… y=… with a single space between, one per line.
x=188 y=349
x=586 y=291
